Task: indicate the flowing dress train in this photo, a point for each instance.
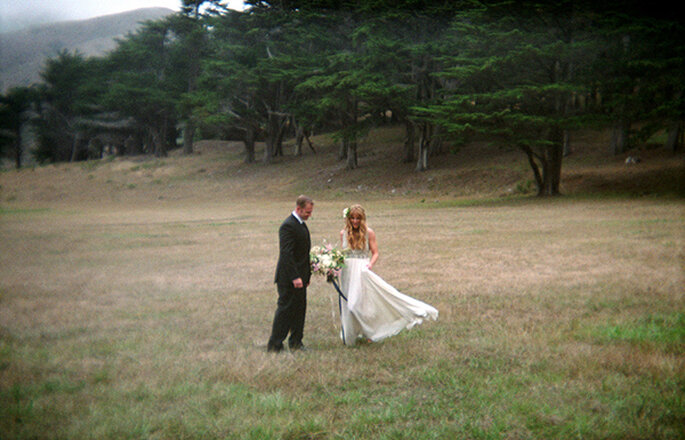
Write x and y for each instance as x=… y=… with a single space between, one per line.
x=374 y=309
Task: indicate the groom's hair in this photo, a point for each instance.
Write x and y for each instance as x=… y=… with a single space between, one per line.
x=303 y=201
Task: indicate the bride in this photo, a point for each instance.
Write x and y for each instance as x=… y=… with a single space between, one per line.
x=374 y=310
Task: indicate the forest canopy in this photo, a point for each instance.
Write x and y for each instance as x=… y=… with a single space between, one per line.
x=522 y=74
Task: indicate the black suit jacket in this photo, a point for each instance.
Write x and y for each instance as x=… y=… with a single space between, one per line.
x=293 y=257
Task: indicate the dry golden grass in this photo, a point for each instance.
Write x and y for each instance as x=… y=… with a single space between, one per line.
x=144 y=312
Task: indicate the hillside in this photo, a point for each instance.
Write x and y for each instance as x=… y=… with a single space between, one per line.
x=23 y=52
x=216 y=172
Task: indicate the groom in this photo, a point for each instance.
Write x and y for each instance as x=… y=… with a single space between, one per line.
x=292 y=277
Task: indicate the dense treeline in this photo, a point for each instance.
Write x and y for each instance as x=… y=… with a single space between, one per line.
x=522 y=74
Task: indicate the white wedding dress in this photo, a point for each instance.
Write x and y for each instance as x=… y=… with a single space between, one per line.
x=374 y=309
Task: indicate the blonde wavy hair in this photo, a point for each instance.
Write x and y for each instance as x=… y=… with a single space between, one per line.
x=356 y=239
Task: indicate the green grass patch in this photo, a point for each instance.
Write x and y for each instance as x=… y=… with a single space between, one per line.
x=16 y=211
x=149 y=165
x=661 y=331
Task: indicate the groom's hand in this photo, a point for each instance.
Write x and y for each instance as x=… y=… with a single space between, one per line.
x=297 y=283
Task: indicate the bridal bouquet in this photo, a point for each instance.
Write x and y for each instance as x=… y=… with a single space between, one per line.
x=326 y=260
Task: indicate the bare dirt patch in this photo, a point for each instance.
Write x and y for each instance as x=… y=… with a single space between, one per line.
x=216 y=172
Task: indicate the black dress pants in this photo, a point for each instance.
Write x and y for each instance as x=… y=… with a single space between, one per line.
x=289 y=318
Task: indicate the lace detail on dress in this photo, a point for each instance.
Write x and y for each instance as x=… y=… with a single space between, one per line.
x=355 y=253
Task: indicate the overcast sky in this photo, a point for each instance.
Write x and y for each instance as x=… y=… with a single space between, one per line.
x=16 y=14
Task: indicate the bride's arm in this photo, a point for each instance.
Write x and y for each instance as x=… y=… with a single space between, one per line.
x=373 y=247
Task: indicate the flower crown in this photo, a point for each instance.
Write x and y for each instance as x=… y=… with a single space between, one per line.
x=346 y=212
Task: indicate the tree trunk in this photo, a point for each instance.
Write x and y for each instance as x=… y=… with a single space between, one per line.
x=188 y=135
x=18 y=150
x=299 y=138
x=271 y=138
x=424 y=148
x=155 y=141
x=351 y=154
x=170 y=135
x=282 y=126
x=309 y=142
x=274 y=137
x=436 y=145
x=675 y=137
x=76 y=139
x=249 y=142
x=548 y=178
x=342 y=151
x=422 y=163
x=267 y=158
x=544 y=189
x=409 y=142
x=534 y=167
x=567 y=143
x=159 y=141
x=551 y=165
x=619 y=137
x=131 y=146
x=556 y=155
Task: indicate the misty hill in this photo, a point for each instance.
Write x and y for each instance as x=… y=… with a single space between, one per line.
x=23 y=52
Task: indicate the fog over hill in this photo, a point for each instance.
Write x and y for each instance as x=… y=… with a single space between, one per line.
x=23 y=52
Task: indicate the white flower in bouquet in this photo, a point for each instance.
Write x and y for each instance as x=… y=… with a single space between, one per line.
x=326 y=260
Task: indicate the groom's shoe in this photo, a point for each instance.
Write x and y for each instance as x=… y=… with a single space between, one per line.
x=273 y=349
x=298 y=347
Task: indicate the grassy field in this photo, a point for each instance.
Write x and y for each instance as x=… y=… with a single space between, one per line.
x=136 y=298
